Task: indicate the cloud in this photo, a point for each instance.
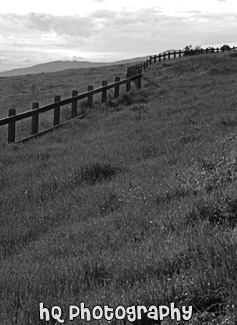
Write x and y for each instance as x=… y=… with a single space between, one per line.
x=109 y=34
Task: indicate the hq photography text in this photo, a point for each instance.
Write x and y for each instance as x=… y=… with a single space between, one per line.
x=130 y=313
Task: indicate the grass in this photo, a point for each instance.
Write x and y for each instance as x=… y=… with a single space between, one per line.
x=136 y=204
x=21 y=91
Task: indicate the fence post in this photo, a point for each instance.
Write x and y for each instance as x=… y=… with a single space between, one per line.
x=180 y=53
x=164 y=55
x=74 y=105
x=90 y=97
x=56 y=113
x=150 y=60
x=104 y=91
x=116 y=88
x=11 y=126
x=128 y=72
x=154 y=58
x=35 y=120
x=128 y=86
x=147 y=61
x=174 y=54
x=207 y=50
x=169 y=55
x=138 y=83
x=159 y=57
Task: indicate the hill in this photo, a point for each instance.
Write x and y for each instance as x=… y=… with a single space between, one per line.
x=20 y=91
x=63 y=65
x=134 y=205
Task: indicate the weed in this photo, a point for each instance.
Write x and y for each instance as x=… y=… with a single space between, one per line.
x=221 y=213
x=95 y=173
x=110 y=205
x=228 y=122
x=169 y=196
x=140 y=109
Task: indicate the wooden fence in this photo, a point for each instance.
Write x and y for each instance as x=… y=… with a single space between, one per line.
x=36 y=110
x=175 y=54
x=133 y=74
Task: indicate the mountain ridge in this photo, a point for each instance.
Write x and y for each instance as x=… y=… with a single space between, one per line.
x=60 y=65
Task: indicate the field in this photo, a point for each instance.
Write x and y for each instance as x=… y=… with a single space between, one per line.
x=21 y=91
x=136 y=204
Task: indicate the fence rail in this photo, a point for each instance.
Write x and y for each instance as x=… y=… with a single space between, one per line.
x=36 y=110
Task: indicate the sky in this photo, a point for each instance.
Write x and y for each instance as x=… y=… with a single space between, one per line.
x=39 y=31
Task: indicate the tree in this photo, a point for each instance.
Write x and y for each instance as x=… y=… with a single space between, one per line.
x=225 y=48
x=190 y=50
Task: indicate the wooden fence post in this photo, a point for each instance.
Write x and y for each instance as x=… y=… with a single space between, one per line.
x=90 y=97
x=138 y=83
x=11 y=126
x=174 y=54
x=127 y=74
x=154 y=58
x=150 y=60
x=164 y=55
x=35 y=120
x=168 y=55
x=74 y=105
x=56 y=113
x=180 y=53
x=159 y=57
x=116 y=88
x=128 y=86
x=104 y=91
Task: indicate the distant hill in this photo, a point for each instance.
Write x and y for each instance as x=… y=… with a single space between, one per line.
x=55 y=66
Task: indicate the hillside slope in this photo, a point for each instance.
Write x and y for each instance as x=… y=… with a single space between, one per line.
x=134 y=205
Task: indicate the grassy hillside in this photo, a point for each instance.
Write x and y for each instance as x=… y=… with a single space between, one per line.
x=134 y=205
x=19 y=92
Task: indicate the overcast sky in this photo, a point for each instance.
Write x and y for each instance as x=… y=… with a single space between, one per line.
x=38 y=31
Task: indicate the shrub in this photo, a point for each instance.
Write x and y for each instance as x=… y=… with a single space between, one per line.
x=233 y=54
x=225 y=47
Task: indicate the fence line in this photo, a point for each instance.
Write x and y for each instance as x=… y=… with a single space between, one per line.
x=134 y=73
x=145 y=64
x=36 y=110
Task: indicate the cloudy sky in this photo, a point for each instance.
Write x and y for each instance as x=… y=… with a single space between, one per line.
x=38 y=31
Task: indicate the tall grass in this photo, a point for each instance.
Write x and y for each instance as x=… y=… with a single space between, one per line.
x=134 y=205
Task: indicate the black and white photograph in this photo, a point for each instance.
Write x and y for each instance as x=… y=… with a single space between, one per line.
x=118 y=162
